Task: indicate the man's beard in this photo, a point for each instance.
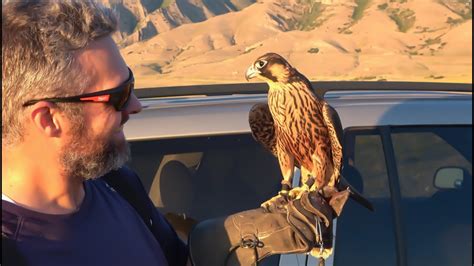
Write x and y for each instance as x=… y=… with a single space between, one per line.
x=88 y=156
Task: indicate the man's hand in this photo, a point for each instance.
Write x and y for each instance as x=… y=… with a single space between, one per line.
x=295 y=226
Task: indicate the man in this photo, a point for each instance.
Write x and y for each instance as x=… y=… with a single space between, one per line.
x=66 y=94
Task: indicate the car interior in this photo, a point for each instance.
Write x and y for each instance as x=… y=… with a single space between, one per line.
x=207 y=177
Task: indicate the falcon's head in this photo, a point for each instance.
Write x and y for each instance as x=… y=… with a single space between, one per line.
x=271 y=67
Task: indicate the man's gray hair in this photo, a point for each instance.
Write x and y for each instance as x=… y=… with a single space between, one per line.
x=40 y=40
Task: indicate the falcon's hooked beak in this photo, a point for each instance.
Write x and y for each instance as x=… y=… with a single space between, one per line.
x=251 y=72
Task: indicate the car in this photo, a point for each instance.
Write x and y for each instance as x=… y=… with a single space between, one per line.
x=407 y=148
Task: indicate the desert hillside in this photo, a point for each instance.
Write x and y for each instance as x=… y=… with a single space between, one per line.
x=214 y=41
x=143 y=19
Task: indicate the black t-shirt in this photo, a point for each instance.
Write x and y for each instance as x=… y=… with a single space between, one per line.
x=106 y=230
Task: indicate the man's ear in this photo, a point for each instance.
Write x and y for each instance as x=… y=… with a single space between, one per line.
x=47 y=119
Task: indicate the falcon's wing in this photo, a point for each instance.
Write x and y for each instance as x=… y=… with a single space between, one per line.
x=332 y=117
x=334 y=126
x=333 y=122
x=262 y=126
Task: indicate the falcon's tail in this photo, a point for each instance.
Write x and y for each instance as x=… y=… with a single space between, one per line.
x=354 y=194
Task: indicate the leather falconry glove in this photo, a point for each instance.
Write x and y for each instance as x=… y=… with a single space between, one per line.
x=245 y=238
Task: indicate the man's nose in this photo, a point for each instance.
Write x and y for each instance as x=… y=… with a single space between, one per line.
x=134 y=106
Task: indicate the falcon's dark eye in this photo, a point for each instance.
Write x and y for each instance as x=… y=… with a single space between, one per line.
x=260 y=63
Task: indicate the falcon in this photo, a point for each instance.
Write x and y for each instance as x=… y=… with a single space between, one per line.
x=300 y=129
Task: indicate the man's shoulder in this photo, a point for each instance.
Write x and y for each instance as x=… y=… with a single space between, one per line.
x=127 y=183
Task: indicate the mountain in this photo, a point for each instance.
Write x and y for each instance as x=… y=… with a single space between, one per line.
x=200 y=42
x=143 y=19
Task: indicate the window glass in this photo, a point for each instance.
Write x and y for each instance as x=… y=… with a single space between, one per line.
x=369 y=160
x=206 y=177
x=364 y=237
x=420 y=154
x=437 y=219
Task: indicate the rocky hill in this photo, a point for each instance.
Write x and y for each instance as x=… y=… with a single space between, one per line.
x=177 y=42
x=143 y=19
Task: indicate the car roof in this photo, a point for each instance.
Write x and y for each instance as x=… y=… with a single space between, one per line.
x=201 y=115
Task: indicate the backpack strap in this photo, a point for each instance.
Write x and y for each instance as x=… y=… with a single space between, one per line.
x=123 y=182
x=129 y=186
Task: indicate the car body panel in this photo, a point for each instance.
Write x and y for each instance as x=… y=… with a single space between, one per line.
x=221 y=115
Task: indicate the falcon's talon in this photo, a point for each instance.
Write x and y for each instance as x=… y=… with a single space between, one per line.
x=283 y=193
x=276 y=200
x=296 y=192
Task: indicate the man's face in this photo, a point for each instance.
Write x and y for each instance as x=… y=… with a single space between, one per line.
x=96 y=143
x=89 y=155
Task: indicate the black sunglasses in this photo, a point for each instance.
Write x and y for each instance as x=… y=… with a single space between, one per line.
x=118 y=96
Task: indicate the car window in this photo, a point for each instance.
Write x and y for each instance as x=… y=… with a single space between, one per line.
x=364 y=237
x=437 y=220
x=369 y=160
x=206 y=177
x=420 y=152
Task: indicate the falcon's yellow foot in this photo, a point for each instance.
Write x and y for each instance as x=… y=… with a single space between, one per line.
x=295 y=193
x=276 y=203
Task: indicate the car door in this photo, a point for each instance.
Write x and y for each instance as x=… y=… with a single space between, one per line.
x=419 y=179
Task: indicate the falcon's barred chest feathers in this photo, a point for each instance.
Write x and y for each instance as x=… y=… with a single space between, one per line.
x=297 y=125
